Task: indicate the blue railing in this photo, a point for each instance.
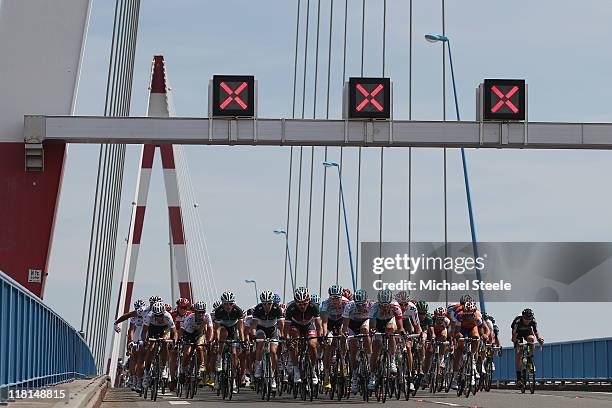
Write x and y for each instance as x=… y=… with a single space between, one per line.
x=581 y=360
x=37 y=347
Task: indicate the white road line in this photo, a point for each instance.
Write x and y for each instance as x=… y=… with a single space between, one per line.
x=179 y=402
x=450 y=404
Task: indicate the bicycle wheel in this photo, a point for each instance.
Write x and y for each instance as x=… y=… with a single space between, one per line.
x=230 y=377
x=489 y=375
x=155 y=379
x=469 y=375
x=416 y=372
x=531 y=379
x=193 y=374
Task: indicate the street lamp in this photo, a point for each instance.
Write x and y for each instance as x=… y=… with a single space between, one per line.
x=434 y=38
x=348 y=237
x=256 y=294
x=283 y=232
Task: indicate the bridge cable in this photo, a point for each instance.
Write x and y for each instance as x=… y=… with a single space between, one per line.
x=88 y=285
x=446 y=275
x=359 y=160
x=329 y=50
x=121 y=109
x=341 y=147
x=410 y=148
x=106 y=244
x=382 y=149
x=299 y=197
x=287 y=225
x=312 y=149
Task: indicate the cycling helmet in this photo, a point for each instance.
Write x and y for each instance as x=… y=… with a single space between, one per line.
x=228 y=297
x=276 y=298
x=216 y=304
x=158 y=308
x=168 y=307
x=315 y=298
x=301 y=295
x=361 y=296
x=464 y=299
x=402 y=297
x=199 y=307
x=486 y=316
x=282 y=306
x=249 y=312
x=154 y=299
x=139 y=304
x=527 y=314
x=470 y=307
x=346 y=292
x=422 y=306
x=182 y=302
x=440 y=312
x=335 y=290
x=266 y=296
x=385 y=296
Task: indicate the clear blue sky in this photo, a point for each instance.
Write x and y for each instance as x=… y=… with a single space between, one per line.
x=559 y=48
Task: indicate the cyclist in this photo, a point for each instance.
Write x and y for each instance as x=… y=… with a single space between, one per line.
x=315 y=299
x=195 y=329
x=179 y=315
x=355 y=320
x=276 y=298
x=441 y=324
x=331 y=317
x=267 y=320
x=213 y=352
x=247 y=355
x=229 y=325
x=524 y=327
x=411 y=322
x=158 y=324
x=493 y=329
x=385 y=317
x=304 y=320
x=426 y=323
x=466 y=321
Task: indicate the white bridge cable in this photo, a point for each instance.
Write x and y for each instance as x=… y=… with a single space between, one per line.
x=197 y=265
x=200 y=234
x=196 y=274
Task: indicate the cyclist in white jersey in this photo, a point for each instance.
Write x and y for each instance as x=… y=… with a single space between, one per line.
x=331 y=318
x=356 y=320
x=385 y=317
x=196 y=329
x=158 y=324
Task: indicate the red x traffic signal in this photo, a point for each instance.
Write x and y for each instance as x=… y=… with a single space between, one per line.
x=369 y=98
x=504 y=99
x=233 y=95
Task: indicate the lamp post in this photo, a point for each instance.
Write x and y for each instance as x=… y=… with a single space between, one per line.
x=346 y=228
x=283 y=232
x=434 y=38
x=256 y=293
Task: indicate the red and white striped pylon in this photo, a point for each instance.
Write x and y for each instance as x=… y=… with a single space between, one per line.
x=159 y=106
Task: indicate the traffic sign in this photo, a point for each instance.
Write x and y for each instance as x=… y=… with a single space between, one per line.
x=504 y=99
x=233 y=96
x=369 y=98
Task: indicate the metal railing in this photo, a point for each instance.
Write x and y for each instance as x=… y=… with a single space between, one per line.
x=37 y=347
x=580 y=360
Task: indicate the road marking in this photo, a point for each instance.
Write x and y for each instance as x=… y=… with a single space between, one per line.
x=179 y=402
x=450 y=404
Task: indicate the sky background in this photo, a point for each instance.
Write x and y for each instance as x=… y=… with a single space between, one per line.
x=242 y=191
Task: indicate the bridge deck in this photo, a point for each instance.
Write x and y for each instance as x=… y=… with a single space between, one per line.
x=122 y=398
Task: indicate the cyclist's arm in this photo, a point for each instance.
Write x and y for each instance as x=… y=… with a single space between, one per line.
x=324 y=320
x=145 y=331
x=241 y=329
x=254 y=327
x=417 y=327
x=281 y=326
x=400 y=324
x=131 y=332
x=174 y=334
x=345 y=323
x=217 y=331
x=125 y=317
x=209 y=332
x=319 y=327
